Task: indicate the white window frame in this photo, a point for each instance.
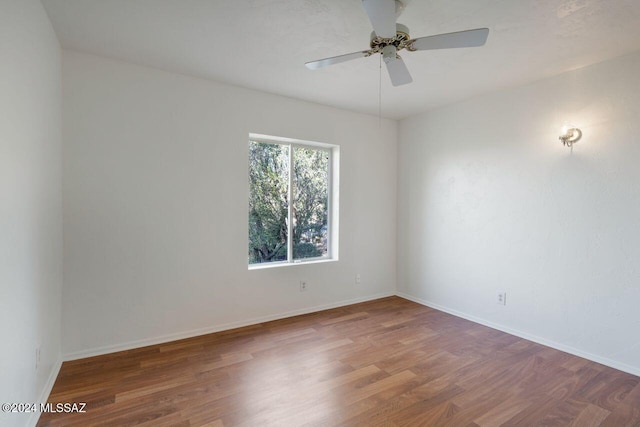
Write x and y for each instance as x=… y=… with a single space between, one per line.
x=333 y=179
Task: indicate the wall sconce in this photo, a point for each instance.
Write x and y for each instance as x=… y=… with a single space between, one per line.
x=570 y=135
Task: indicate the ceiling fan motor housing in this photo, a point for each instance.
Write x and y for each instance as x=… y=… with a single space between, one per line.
x=400 y=41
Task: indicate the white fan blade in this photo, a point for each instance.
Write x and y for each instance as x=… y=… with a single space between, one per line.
x=382 y=14
x=321 y=63
x=469 y=38
x=398 y=72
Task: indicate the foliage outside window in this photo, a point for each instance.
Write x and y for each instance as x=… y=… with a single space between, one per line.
x=289 y=197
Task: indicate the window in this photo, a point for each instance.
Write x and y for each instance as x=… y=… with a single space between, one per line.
x=291 y=206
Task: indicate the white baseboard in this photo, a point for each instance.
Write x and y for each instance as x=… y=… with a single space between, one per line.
x=558 y=346
x=46 y=391
x=218 y=328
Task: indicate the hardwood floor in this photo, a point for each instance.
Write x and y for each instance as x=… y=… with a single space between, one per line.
x=381 y=363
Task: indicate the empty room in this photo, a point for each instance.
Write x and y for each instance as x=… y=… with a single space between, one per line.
x=320 y=213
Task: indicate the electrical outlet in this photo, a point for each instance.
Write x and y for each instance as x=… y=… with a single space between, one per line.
x=358 y=279
x=502 y=298
x=303 y=285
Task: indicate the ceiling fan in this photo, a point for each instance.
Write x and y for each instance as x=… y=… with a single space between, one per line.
x=388 y=38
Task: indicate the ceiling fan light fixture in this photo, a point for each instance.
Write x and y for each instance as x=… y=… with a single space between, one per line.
x=389 y=53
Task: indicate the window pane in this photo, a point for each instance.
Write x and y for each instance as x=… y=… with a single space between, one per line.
x=268 y=202
x=310 y=202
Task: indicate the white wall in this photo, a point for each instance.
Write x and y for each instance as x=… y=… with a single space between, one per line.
x=155 y=206
x=490 y=200
x=30 y=204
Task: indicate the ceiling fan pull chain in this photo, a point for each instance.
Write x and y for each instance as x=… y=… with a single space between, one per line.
x=380 y=94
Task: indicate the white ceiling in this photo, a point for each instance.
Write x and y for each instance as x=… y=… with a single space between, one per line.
x=263 y=44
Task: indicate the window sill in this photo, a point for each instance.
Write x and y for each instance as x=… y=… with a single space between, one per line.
x=289 y=264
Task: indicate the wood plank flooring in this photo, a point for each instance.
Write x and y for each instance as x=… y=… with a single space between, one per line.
x=389 y=362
